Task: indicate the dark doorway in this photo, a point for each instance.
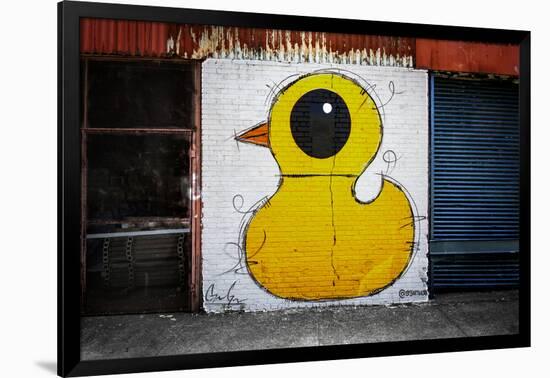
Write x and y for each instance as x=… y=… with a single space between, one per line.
x=140 y=180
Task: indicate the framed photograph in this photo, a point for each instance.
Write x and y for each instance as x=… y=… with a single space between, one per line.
x=240 y=188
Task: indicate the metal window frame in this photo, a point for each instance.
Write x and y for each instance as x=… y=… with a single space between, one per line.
x=192 y=223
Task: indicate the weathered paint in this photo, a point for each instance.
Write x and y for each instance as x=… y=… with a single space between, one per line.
x=460 y=56
x=301 y=242
x=155 y=39
x=299 y=47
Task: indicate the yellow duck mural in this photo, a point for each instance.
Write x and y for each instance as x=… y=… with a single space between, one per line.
x=313 y=239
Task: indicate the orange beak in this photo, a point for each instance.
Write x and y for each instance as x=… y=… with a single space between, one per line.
x=257 y=134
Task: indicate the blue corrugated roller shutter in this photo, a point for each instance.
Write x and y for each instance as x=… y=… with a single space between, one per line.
x=475 y=180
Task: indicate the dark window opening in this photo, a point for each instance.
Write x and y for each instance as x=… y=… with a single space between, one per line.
x=138 y=176
x=142 y=94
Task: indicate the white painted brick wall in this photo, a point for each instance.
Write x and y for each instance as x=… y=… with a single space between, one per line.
x=236 y=96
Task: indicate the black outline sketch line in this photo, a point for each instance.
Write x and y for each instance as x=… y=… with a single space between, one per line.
x=417 y=219
x=333 y=223
x=353 y=76
x=391 y=87
x=277 y=85
x=390 y=159
x=249 y=214
x=240 y=265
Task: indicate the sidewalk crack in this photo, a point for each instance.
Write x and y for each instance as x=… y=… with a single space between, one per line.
x=451 y=321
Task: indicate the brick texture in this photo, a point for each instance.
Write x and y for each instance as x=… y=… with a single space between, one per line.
x=238 y=178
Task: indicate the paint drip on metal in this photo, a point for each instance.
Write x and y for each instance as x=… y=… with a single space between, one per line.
x=282 y=46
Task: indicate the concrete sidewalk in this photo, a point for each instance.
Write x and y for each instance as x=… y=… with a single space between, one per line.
x=448 y=315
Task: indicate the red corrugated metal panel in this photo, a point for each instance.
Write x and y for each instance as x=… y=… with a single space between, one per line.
x=140 y=38
x=467 y=57
x=137 y=38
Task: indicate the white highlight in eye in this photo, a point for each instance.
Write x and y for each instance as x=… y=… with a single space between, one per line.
x=327 y=108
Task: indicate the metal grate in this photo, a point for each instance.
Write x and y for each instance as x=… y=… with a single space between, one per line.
x=475 y=159
x=138 y=271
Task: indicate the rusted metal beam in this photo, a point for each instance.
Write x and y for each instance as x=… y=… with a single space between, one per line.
x=473 y=57
x=132 y=58
x=140 y=220
x=83 y=189
x=195 y=297
x=156 y=39
x=102 y=130
x=104 y=235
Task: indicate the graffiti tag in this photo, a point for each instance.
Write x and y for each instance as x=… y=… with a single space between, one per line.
x=411 y=293
x=212 y=296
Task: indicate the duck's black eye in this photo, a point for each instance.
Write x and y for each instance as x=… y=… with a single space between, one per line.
x=320 y=123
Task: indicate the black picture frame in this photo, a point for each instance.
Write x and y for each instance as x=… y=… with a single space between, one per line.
x=69 y=363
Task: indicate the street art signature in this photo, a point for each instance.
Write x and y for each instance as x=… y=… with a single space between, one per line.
x=227 y=298
x=313 y=239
